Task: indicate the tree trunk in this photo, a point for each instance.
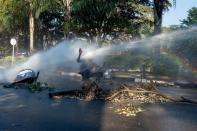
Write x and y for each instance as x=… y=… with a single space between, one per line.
x=17 y=43
x=67 y=9
x=67 y=16
x=158 y=12
x=31 y=29
x=26 y=40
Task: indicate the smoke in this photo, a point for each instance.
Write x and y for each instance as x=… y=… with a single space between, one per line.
x=66 y=53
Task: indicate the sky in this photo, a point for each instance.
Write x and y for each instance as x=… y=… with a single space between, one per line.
x=175 y=14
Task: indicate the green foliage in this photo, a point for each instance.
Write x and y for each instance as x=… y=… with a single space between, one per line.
x=8 y=59
x=34 y=87
x=186 y=48
x=191 y=18
x=95 y=16
x=13 y=15
x=166 y=65
x=68 y=26
x=105 y=17
x=129 y=60
x=140 y=15
x=38 y=87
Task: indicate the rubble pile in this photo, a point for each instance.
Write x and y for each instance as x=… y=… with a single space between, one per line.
x=128 y=110
x=143 y=93
x=127 y=99
x=90 y=91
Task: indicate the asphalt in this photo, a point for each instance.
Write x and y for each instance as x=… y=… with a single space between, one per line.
x=21 y=110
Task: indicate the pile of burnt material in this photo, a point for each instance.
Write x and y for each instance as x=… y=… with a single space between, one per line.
x=141 y=92
x=90 y=91
x=145 y=93
x=126 y=99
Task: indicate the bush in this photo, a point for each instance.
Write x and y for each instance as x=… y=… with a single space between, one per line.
x=8 y=59
x=128 y=60
x=166 y=65
x=186 y=48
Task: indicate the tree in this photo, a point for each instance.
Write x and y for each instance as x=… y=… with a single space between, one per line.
x=13 y=19
x=94 y=16
x=191 y=18
x=186 y=47
x=17 y=15
x=64 y=6
x=51 y=27
x=140 y=16
x=100 y=18
x=159 y=7
x=35 y=8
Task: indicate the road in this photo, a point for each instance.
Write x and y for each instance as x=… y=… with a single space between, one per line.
x=21 y=110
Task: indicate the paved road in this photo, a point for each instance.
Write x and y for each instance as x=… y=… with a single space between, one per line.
x=21 y=110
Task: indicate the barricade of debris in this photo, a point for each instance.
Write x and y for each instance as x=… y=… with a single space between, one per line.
x=90 y=91
x=142 y=92
x=127 y=99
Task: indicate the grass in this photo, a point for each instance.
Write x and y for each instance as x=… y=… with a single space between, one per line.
x=8 y=59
